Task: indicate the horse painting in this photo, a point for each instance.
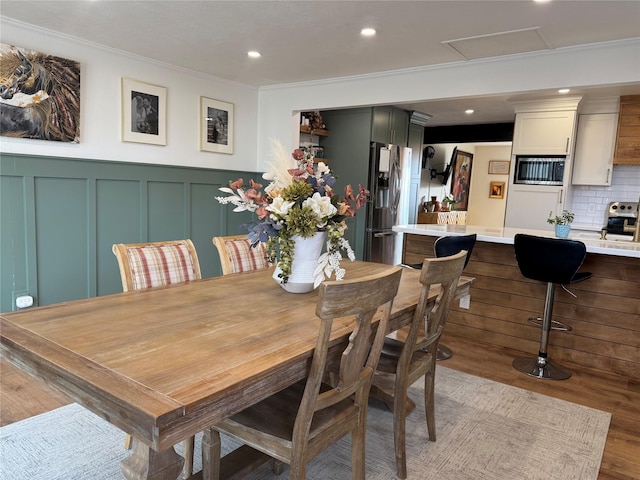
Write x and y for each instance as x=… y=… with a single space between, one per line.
x=39 y=96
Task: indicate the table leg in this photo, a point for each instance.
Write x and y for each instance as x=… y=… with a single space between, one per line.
x=146 y=464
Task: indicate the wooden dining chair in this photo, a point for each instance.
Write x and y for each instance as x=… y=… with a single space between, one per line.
x=298 y=423
x=156 y=264
x=237 y=255
x=402 y=363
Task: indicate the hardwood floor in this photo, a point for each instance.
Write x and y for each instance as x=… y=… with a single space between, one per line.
x=22 y=396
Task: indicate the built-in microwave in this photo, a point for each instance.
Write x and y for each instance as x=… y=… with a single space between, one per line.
x=539 y=170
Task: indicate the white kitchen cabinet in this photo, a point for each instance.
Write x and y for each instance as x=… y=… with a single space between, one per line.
x=544 y=133
x=595 y=143
x=528 y=206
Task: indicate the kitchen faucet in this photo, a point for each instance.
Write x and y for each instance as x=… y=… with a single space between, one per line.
x=635 y=229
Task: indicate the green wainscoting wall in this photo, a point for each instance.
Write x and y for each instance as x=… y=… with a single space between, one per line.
x=59 y=218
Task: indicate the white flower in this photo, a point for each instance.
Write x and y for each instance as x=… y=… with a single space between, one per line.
x=321 y=169
x=321 y=206
x=279 y=206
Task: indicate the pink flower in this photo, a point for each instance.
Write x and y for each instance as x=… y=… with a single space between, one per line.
x=239 y=183
x=298 y=155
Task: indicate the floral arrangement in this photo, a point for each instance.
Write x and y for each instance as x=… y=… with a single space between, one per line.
x=299 y=200
x=566 y=218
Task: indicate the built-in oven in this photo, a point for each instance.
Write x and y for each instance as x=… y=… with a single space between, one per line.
x=539 y=170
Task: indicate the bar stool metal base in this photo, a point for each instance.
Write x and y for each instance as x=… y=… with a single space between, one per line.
x=443 y=353
x=541 y=368
x=555 y=325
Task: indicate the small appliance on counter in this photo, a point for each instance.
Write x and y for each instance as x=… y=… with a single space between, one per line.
x=618 y=213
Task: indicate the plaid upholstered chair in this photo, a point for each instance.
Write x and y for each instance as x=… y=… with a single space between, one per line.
x=236 y=254
x=146 y=265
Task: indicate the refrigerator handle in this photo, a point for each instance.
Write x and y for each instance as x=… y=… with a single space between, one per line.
x=394 y=181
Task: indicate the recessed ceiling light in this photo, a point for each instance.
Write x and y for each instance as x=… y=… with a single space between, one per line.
x=564 y=90
x=254 y=54
x=468 y=111
x=368 y=32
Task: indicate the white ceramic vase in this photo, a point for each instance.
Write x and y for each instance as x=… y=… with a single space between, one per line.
x=305 y=259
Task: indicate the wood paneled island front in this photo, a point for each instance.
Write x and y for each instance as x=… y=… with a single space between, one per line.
x=604 y=315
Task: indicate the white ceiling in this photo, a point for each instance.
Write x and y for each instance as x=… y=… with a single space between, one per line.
x=311 y=40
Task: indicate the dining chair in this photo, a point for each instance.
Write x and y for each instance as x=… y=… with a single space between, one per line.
x=402 y=363
x=298 y=423
x=237 y=255
x=147 y=265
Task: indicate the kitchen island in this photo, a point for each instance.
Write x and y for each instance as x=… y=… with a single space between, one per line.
x=604 y=314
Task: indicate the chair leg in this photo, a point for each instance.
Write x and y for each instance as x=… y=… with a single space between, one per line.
x=127 y=442
x=540 y=367
x=358 y=452
x=399 y=433
x=429 y=403
x=211 y=454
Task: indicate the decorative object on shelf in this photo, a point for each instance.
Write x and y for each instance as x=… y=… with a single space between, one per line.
x=496 y=190
x=435 y=203
x=144 y=112
x=562 y=223
x=216 y=126
x=499 y=167
x=298 y=202
x=447 y=203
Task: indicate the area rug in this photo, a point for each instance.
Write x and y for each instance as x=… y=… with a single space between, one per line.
x=485 y=431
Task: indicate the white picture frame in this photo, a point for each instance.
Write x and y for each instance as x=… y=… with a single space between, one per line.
x=216 y=126
x=144 y=112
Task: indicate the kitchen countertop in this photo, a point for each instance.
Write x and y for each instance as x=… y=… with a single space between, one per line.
x=617 y=245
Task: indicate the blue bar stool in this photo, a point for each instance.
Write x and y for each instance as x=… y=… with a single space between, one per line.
x=555 y=261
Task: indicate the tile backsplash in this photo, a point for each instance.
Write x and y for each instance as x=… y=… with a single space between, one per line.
x=591 y=203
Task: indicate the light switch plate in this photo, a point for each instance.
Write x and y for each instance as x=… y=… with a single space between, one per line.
x=465 y=302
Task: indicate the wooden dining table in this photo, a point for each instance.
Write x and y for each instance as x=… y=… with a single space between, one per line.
x=165 y=363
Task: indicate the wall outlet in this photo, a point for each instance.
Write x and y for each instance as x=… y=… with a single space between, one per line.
x=15 y=295
x=25 y=301
x=465 y=302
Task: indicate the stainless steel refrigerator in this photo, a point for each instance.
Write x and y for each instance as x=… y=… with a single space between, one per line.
x=383 y=209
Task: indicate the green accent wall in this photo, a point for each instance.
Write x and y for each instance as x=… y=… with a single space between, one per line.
x=59 y=218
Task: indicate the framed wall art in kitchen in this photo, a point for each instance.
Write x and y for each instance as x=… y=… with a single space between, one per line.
x=144 y=112
x=499 y=167
x=216 y=126
x=461 y=179
x=496 y=190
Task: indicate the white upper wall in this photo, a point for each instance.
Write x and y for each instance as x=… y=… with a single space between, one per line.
x=272 y=112
x=593 y=65
x=100 y=108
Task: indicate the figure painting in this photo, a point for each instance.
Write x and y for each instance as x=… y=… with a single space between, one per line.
x=39 y=95
x=461 y=181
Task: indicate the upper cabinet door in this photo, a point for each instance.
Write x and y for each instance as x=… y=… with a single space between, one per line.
x=593 y=161
x=390 y=125
x=544 y=133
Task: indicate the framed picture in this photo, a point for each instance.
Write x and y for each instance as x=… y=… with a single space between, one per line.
x=496 y=190
x=144 y=112
x=216 y=126
x=499 y=167
x=40 y=95
x=461 y=182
